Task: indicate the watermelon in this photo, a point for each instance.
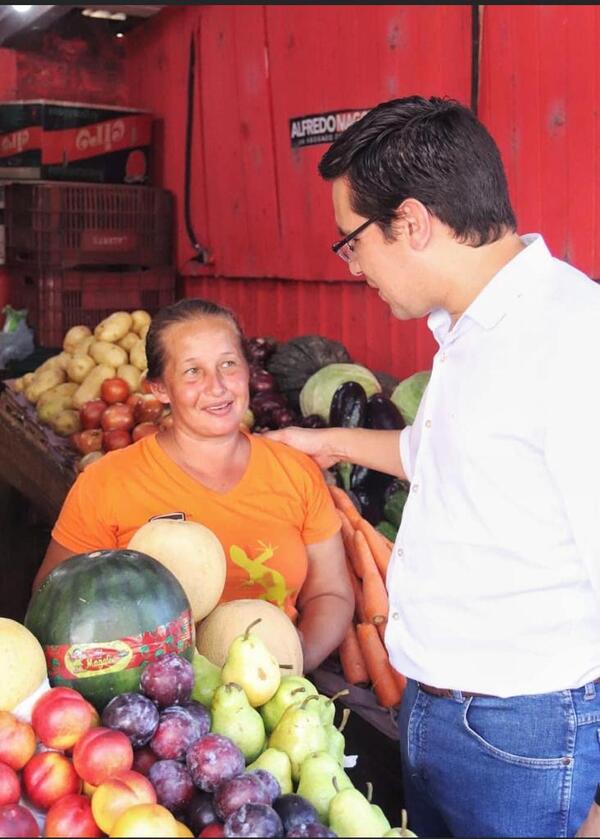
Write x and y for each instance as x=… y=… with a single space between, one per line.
x=102 y=616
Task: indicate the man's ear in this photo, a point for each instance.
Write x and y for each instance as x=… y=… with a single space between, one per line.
x=158 y=389
x=414 y=220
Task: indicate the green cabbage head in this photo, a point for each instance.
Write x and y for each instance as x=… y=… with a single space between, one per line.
x=407 y=395
x=317 y=393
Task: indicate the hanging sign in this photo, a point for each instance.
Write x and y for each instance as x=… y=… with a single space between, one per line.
x=321 y=128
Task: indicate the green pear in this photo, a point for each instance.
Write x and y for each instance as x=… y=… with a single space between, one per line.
x=234 y=717
x=352 y=814
x=402 y=830
x=250 y=665
x=326 y=707
x=292 y=689
x=278 y=764
x=298 y=733
x=336 y=742
x=207 y=678
x=316 y=774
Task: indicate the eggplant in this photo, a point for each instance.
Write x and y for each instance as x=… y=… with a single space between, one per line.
x=348 y=406
x=313 y=421
x=371 y=507
x=382 y=414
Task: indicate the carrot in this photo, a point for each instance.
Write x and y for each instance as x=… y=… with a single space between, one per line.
x=381 y=630
x=381 y=553
x=380 y=670
x=359 y=604
x=347 y=529
x=374 y=593
x=387 y=542
x=343 y=503
x=348 y=540
x=400 y=679
x=351 y=659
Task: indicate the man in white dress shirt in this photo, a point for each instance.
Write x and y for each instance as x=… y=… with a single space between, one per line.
x=494 y=584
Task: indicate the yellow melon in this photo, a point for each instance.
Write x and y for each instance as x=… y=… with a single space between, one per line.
x=216 y=632
x=23 y=664
x=192 y=553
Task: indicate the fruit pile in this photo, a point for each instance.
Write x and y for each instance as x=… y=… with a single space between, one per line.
x=246 y=754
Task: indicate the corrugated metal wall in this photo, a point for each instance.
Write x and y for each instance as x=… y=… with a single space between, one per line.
x=259 y=205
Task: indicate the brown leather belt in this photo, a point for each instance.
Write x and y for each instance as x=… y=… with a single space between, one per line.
x=446 y=693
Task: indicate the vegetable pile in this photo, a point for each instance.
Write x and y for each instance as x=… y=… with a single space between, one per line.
x=362 y=653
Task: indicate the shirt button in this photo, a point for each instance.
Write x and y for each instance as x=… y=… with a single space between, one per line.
x=400 y=552
x=395 y=616
x=415 y=488
x=427 y=423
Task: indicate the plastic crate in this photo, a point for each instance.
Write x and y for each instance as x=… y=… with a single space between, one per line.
x=56 y=300
x=65 y=225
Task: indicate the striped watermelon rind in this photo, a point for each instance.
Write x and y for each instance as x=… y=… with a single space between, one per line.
x=112 y=598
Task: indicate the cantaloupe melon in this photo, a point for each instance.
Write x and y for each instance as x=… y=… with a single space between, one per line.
x=23 y=664
x=192 y=553
x=216 y=632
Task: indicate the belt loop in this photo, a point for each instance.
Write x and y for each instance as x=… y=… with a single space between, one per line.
x=590 y=691
x=457 y=696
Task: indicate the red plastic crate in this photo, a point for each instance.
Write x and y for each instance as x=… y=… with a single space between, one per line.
x=56 y=300
x=66 y=225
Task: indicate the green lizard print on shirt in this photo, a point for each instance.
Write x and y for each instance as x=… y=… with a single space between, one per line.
x=273 y=583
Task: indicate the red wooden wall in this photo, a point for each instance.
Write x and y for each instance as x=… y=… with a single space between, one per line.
x=258 y=204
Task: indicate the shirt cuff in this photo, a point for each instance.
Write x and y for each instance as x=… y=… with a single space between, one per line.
x=405 y=451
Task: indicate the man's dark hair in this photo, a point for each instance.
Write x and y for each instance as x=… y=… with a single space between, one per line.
x=184 y=310
x=434 y=150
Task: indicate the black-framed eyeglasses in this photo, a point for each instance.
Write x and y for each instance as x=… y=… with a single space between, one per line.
x=343 y=248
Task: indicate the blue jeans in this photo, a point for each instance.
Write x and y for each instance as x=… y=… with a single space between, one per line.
x=483 y=766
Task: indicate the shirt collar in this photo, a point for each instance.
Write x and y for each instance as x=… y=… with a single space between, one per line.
x=510 y=283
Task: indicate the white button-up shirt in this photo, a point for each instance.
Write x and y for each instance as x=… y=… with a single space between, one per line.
x=494 y=582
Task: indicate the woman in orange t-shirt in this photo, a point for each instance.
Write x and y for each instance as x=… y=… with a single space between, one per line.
x=267 y=503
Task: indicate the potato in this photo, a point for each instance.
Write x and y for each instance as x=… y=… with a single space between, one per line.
x=66 y=423
x=82 y=348
x=56 y=361
x=27 y=379
x=79 y=367
x=144 y=331
x=137 y=356
x=105 y=352
x=19 y=384
x=90 y=386
x=90 y=457
x=74 y=336
x=52 y=407
x=128 y=341
x=141 y=320
x=114 y=327
x=66 y=389
x=131 y=374
x=44 y=381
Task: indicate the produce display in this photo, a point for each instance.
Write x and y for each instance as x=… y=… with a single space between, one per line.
x=258 y=754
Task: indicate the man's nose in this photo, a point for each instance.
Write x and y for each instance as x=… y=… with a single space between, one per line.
x=354 y=267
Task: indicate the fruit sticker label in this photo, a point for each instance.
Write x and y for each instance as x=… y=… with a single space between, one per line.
x=84 y=660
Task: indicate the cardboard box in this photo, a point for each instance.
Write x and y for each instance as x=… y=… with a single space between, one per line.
x=70 y=141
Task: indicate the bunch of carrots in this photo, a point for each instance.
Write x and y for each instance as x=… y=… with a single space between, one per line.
x=362 y=653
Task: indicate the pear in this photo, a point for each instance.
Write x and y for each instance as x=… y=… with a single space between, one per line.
x=234 y=717
x=278 y=764
x=292 y=689
x=298 y=733
x=326 y=707
x=352 y=814
x=207 y=678
x=250 y=665
x=336 y=742
x=402 y=830
x=316 y=785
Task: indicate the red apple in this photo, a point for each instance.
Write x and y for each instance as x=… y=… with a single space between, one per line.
x=143 y=430
x=118 y=439
x=61 y=716
x=16 y=821
x=71 y=816
x=17 y=741
x=87 y=441
x=114 y=390
x=100 y=753
x=10 y=788
x=49 y=776
x=118 y=417
x=91 y=412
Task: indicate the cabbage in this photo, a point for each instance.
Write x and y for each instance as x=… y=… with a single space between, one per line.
x=317 y=393
x=407 y=395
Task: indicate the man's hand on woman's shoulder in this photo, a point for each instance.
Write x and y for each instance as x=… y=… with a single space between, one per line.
x=316 y=442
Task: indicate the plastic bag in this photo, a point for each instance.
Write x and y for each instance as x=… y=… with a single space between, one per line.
x=16 y=338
